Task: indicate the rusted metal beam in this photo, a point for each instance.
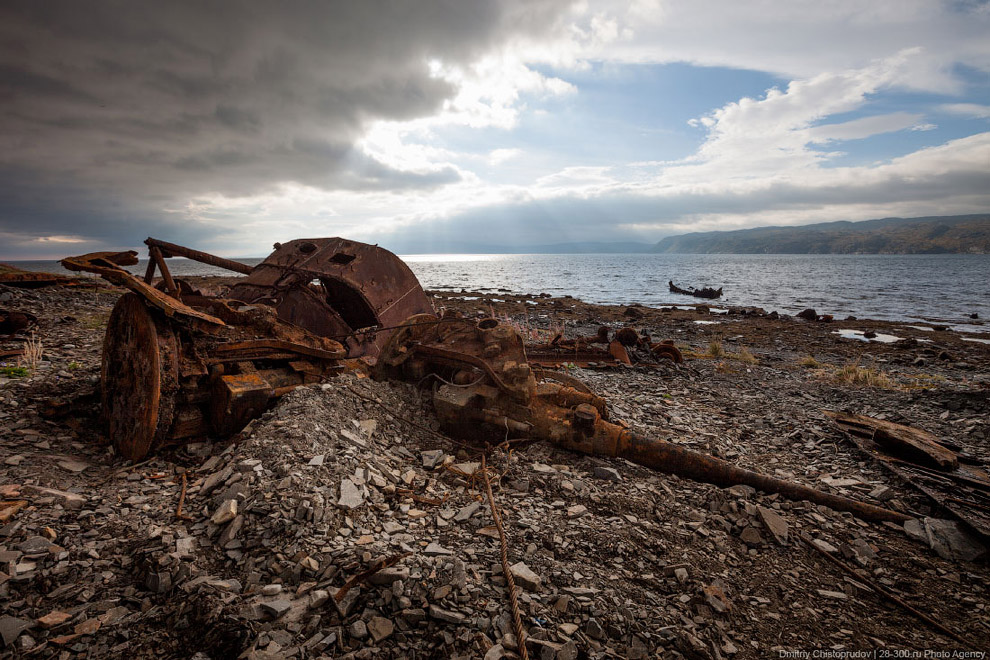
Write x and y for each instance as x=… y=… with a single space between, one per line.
x=149 y=272
x=107 y=265
x=156 y=256
x=279 y=345
x=173 y=250
x=32 y=280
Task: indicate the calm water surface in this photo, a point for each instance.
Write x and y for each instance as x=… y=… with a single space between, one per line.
x=894 y=287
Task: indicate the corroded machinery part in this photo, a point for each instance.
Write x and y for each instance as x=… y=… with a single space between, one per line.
x=164 y=382
x=624 y=346
x=178 y=365
x=593 y=436
x=462 y=351
x=475 y=401
x=337 y=288
x=139 y=378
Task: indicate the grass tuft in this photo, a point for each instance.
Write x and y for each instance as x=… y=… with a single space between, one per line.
x=810 y=362
x=715 y=348
x=745 y=356
x=33 y=350
x=853 y=374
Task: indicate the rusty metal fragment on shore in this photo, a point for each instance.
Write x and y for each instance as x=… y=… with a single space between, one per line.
x=625 y=346
x=24 y=279
x=910 y=443
x=179 y=364
x=13 y=321
x=954 y=482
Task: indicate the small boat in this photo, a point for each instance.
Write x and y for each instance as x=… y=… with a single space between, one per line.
x=697 y=293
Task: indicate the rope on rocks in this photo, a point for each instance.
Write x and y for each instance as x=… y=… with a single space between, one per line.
x=516 y=620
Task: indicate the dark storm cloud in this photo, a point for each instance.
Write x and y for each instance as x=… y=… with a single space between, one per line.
x=142 y=105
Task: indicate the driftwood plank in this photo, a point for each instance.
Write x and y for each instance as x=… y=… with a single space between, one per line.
x=898 y=440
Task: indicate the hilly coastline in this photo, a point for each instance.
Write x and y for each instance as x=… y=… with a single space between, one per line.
x=961 y=234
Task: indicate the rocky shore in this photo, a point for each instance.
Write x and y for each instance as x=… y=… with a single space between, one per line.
x=342 y=524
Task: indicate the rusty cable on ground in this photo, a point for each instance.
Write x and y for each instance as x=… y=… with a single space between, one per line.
x=182 y=500
x=888 y=595
x=394 y=327
x=516 y=620
x=447 y=382
x=378 y=565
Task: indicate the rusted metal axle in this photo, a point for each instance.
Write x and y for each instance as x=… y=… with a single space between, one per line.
x=673 y=459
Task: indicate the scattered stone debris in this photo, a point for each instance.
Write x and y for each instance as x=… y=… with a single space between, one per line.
x=610 y=558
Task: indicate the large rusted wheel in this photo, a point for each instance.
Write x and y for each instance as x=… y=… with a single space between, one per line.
x=140 y=377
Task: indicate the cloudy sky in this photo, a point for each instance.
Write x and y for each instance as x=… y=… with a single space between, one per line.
x=427 y=126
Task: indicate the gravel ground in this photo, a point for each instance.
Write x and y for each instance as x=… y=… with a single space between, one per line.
x=613 y=560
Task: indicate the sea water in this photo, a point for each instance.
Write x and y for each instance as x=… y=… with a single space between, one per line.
x=949 y=288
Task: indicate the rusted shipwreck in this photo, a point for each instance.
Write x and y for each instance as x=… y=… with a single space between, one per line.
x=707 y=292
x=178 y=364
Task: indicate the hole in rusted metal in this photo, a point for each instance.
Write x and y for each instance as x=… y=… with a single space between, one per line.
x=349 y=304
x=487 y=324
x=307 y=248
x=342 y=258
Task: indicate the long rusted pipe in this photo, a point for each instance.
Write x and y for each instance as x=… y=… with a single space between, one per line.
x=672 y=459
x=202 y=257
x=607 y=439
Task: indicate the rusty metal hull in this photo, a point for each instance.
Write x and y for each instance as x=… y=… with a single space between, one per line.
x=337 y=288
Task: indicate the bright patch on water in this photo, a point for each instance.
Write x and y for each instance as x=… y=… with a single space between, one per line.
x=981 y=341
x=858 y=334
x=707 y=322
x=923 y=328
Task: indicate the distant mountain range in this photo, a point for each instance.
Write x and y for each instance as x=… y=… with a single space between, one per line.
x=951 y=234
x=959 y=234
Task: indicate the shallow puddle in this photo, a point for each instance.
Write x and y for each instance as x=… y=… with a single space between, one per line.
x=858 y=334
